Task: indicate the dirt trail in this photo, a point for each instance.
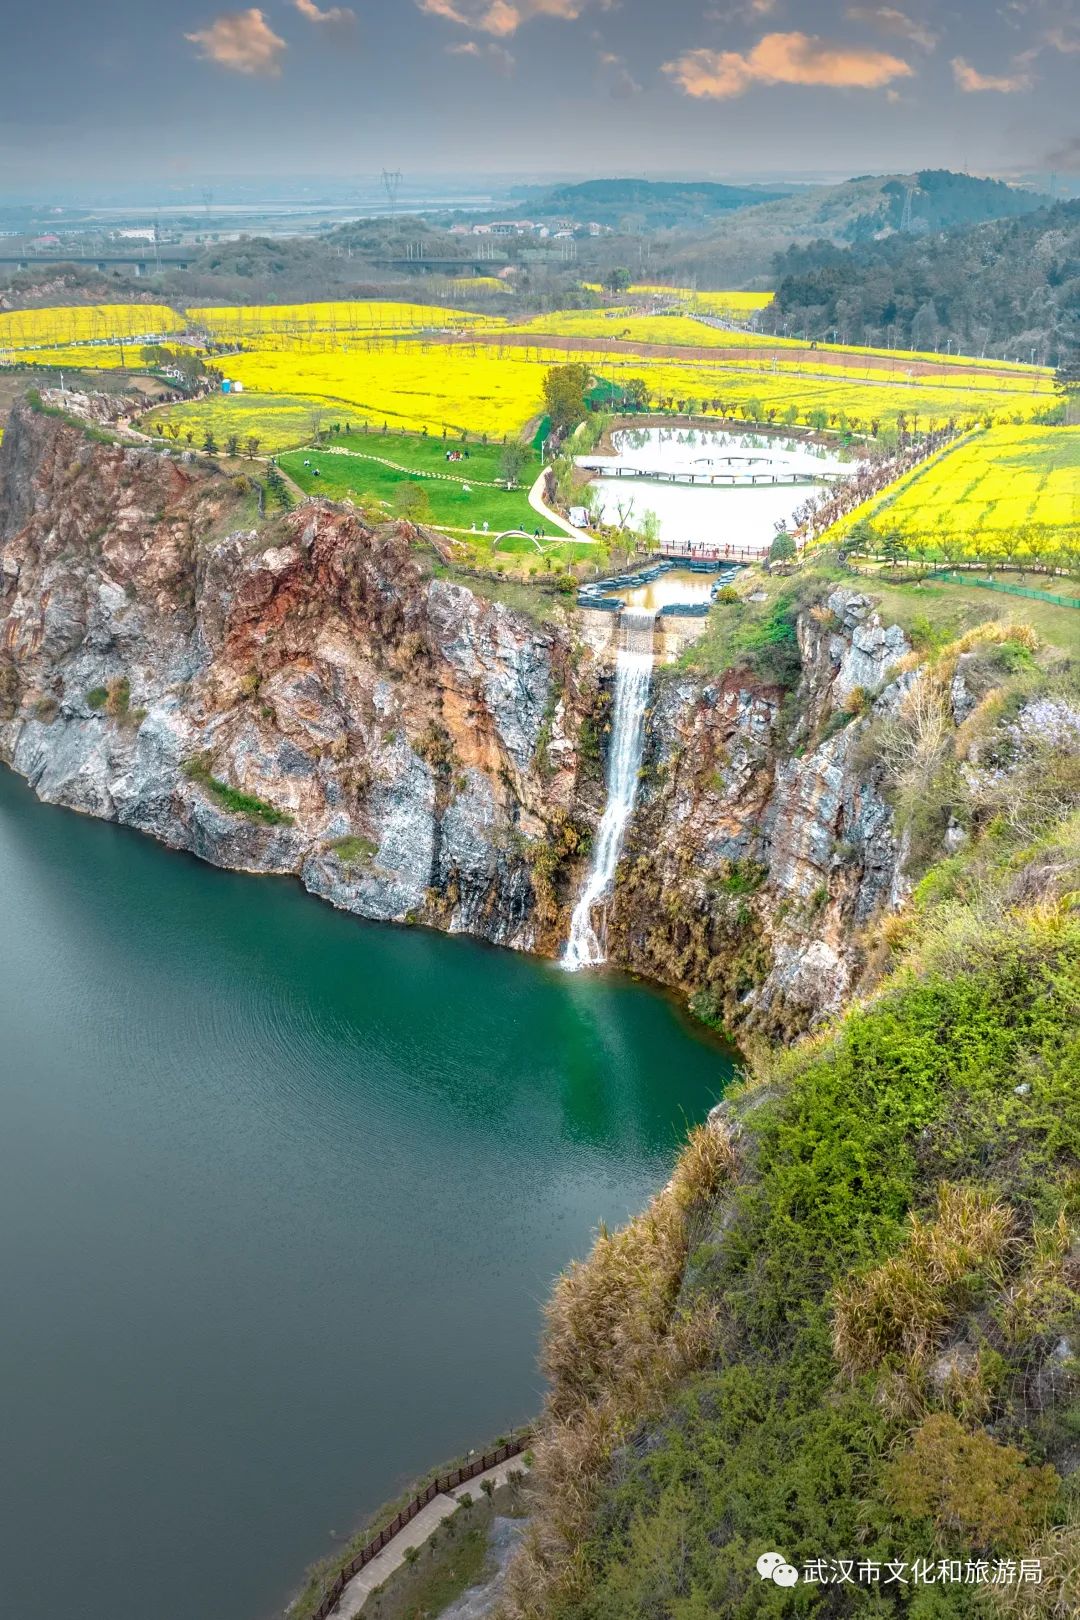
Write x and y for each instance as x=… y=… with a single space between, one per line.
x=830 y=360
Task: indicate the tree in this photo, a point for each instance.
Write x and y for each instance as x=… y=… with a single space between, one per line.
x=251 y=445
x=563 y=474
x=512 y=463
x=894 y=549
x=783 y=551
x=636 y=394
x=925 y=326
x=209 y=443
x=232 y=445
x=617 y=279
x=276 y=488
x=413 y=503
x=564 y=394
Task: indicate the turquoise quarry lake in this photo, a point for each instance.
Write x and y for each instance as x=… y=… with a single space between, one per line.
x=281 y=1196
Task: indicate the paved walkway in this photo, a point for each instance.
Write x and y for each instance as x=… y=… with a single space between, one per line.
x=536 y=501
x=415 y=1533
x=392 y=1556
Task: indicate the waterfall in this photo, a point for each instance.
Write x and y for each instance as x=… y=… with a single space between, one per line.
x=633 y=673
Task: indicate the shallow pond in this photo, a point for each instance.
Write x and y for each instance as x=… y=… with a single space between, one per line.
x=711 y=514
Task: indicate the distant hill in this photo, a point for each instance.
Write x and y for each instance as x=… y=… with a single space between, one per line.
x=1014 y=281
x=741 y=247
x=647 y=204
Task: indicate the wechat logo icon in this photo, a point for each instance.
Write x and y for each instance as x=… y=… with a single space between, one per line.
x=773 y=1566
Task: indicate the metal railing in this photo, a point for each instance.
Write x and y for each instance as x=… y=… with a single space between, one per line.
x=437 y=1487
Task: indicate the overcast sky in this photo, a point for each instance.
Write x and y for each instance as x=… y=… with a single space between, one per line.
x=106 y=90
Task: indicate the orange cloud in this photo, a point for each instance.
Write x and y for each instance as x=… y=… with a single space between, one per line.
x=241 y=41
x=784 y=59
x=503 y=17
x=971 y=80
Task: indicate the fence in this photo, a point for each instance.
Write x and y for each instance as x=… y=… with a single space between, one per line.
x=679 y=551
x=439 y=1485
x=954 y=578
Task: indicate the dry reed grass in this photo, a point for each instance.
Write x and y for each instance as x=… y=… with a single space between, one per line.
x=1046 y=1290
x=898 y=1312
x=1057 y=1595
x=617 y=1340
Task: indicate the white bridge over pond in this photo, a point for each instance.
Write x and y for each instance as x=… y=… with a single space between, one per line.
x=734 y=470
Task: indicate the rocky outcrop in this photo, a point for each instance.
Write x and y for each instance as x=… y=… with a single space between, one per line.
x=383 y=723
x=306 y=695
x=764 y=846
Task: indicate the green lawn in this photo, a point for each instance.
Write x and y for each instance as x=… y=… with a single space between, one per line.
x=460 y=494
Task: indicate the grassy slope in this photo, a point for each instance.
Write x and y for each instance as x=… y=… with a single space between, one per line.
x=760 y=635
x=362 y=472
x=932 y=613
x=757 y=1362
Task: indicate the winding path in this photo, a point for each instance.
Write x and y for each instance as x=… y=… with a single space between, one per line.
x=415 y=1534
x=539 y=506
x=965 y=376
x=412 y=472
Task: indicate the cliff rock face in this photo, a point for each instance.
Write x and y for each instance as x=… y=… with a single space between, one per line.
x=763 y=845
x=304 y=695
x=384 y=722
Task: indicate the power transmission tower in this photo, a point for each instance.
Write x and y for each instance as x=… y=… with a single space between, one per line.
x=391 y=179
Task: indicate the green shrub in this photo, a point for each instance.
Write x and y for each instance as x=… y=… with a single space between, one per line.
x=241 y=804
x=849 y=1138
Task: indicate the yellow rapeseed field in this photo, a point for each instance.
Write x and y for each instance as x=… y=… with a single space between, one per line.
x=278 y=421
x=293 y=322
x=409 y=385
x=682 y=331
x=485 y=389
x=480 y=284
x=92 y=357
x=735 y=304
x=372 y=359
x=737 y=385
x=88 y=323
x=1011 y=489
